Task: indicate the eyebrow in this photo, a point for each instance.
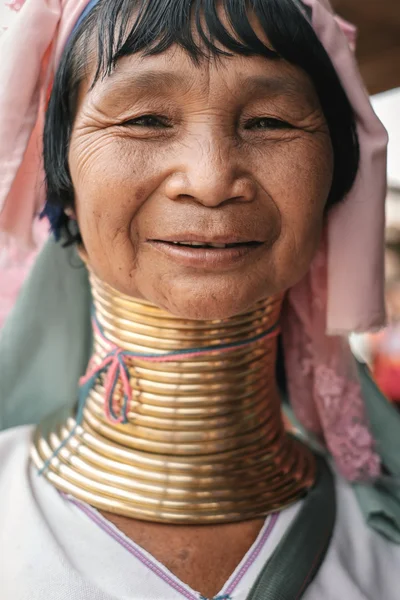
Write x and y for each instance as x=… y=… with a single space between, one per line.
x=274 y=85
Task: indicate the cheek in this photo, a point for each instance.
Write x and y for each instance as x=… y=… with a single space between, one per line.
x=299 y=181
x=112 y=181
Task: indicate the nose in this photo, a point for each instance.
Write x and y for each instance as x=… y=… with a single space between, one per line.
x=210 y=173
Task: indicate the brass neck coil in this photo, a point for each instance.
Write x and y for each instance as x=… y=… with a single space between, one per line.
x=204 y=440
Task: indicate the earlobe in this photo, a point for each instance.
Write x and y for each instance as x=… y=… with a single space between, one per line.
x=83 y=255
x=70 y=213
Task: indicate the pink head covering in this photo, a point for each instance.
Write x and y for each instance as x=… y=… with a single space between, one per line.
x=343 y=290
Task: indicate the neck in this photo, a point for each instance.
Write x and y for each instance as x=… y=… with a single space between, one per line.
x=180 y=421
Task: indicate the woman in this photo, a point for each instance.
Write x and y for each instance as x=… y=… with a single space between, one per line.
x=195 y=153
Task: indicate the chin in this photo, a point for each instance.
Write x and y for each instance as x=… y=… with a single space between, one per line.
x=206 y=304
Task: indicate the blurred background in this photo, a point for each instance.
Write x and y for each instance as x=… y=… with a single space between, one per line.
x=378 y=54
x=378 y=44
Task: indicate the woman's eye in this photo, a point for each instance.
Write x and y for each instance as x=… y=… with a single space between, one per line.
x=149 y=121
x=267 y=123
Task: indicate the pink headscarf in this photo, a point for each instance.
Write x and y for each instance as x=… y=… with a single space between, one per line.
x=343 y=290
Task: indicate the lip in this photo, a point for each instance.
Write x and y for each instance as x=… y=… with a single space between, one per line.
x=207 y=258
x=220 y=239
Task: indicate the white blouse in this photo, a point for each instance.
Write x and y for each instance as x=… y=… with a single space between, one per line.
x=53 y=547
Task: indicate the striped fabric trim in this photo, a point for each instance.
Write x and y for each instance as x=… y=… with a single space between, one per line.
x=158 y=569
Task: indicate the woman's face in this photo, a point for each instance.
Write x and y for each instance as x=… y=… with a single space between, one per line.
x=233 y=153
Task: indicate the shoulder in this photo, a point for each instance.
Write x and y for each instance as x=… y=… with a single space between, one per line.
x=14 y=460
x=14 y=447
x=360 y=564
x=354 y=533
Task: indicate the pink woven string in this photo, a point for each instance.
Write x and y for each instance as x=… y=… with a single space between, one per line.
x=116 y=369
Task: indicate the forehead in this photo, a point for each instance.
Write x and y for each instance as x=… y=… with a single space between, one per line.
x=174 y=72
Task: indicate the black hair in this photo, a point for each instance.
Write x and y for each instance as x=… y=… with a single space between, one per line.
x=110 y=31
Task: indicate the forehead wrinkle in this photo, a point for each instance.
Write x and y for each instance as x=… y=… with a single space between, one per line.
x=154 y=82
x=163 y=80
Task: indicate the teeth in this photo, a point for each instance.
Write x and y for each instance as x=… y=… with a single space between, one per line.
x=202 y=244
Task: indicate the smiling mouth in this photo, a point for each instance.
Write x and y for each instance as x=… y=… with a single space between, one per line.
x=207 y=255
x=211 y=245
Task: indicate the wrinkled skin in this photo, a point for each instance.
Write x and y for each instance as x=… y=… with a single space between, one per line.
x=237 y=147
